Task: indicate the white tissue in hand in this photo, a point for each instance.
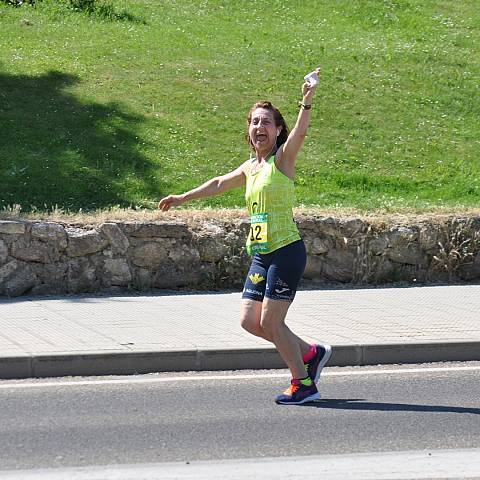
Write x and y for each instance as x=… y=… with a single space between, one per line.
x=312 y=78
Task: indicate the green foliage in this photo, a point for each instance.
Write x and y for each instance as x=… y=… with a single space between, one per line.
x=102 y=9
x=17 y=3
x=96 y=113
x=88 y=6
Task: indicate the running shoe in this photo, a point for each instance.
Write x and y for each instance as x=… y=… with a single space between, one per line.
x=315 y=365
x=297 y=394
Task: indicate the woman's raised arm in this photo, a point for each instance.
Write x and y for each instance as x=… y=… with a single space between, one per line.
x=290 y=149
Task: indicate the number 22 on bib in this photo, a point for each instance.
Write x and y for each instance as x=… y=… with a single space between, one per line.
x=257 y=240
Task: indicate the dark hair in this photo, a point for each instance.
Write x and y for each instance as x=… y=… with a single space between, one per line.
x=277 y=117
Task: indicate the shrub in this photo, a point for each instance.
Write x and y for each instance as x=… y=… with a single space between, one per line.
x=17 y=3
x=88 y=6
x=101 y=9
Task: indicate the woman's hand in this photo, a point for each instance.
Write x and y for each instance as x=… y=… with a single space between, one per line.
x=171 y=201
x=308 y=91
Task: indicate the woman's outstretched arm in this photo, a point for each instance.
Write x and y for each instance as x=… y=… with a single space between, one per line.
x=214 y=186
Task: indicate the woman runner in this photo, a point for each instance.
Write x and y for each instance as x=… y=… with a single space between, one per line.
x=279 y=255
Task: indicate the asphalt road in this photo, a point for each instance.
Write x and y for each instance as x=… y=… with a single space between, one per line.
x=225 y=415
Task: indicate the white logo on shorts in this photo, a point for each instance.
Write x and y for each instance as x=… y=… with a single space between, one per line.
x=283 y=290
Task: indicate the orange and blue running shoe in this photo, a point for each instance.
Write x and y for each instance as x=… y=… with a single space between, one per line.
x=315 y=365
x=298 y=393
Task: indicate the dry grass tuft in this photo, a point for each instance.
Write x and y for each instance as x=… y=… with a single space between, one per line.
x=195 y=217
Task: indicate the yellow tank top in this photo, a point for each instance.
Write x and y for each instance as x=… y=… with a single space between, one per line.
x=270 y=197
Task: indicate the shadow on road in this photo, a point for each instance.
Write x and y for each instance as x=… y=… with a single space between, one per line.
x=361 y=404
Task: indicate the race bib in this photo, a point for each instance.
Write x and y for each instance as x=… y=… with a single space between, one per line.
x=258 y=236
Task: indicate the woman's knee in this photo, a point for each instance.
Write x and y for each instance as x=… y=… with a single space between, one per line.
x=250 y=325
x=270 y=325
x=273 y=317
x=250 y=317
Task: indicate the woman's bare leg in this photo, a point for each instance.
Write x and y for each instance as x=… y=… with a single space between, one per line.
x=251 y=320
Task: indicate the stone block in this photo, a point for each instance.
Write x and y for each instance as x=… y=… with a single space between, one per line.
x=7 y=269
x=378 y=246
x=143 y=279
x=20 y=282
x=157 y=229
x=403 y=246
x=320 y=246
x=402 y=235
x=470 y=270
x=429 y=237
x=242 y=228
x=313 y=269
x=383 y=271
x=50 y=232
x=34 y=251
x=118 y=240
x=306 y=224
x=330 y=227
x=52 y=278
x=170 y=276
x=118 y=270
x=211 y=248
x=150 y=254
x=339 y=266
x=353 y=228
x=81 y=276
x=12 y=228
x=3 y=252
x=81 y=242
x=184 y=254
x=411 y=255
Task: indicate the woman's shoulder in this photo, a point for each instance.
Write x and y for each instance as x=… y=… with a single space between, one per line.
x=247 y=165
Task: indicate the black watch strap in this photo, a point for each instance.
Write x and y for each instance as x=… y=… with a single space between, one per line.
x=305 y=107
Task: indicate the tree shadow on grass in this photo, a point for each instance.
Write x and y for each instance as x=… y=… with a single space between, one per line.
x=56 y=150
x=361 y=404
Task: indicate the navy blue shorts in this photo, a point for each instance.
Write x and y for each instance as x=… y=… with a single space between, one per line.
x=276 y=275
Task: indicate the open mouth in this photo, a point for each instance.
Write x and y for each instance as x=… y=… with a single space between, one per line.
x=261 y=137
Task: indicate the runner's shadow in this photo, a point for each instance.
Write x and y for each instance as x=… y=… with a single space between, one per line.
x=361 y=404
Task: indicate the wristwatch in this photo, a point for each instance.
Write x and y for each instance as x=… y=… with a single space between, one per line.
x=305 y=107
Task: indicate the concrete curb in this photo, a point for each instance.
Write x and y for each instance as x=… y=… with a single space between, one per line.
x=128 y=363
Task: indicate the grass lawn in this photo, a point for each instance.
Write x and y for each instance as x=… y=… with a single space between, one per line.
x=96 y=112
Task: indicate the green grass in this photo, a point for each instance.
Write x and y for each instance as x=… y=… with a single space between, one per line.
x=97 y=112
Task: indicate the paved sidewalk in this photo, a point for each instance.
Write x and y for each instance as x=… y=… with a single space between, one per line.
x=96 y=335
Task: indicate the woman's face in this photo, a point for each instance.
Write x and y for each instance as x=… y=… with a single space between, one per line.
x=262 y=130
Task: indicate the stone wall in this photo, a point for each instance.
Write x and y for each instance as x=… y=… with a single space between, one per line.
x=49 y=258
